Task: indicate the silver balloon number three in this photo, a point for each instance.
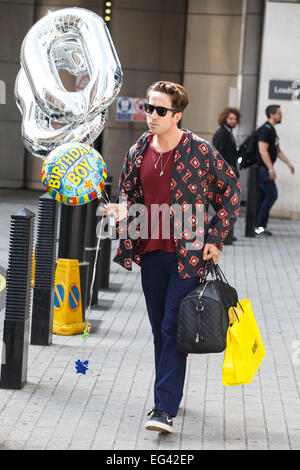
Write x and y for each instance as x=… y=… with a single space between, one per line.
x=78 y=41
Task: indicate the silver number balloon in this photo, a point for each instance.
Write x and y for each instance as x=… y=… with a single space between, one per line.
x=76 y=40
x=38 y=134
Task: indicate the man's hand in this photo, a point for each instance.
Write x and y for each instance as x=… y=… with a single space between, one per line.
x=285 y=159
x=211 y=252
x=120 y=210
x=291 y=167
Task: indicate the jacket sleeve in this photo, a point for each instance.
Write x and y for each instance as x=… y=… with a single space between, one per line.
x=127 y=191
x=224 y=195
x=218 y=141
x=123 y=196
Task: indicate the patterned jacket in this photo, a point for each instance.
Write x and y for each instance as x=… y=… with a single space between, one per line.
x=200 y=176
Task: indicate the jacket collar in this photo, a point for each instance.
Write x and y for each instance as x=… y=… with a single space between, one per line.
x=143 y=142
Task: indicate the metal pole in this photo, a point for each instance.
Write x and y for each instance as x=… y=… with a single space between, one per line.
x=18 y=300
x=45 y=262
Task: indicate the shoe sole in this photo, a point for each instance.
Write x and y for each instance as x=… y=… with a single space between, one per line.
x=157 y=426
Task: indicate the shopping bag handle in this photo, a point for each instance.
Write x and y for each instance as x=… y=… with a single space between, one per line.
x=217 y=272
x=222 y=275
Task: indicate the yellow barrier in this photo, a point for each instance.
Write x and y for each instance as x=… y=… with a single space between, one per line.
x=67 y=318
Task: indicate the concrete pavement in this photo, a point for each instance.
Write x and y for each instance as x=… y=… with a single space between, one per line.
x=107 y=407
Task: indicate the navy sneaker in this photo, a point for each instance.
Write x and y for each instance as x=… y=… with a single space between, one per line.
x=160 y=421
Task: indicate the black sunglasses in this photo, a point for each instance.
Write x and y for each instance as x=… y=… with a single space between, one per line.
x=161 y=110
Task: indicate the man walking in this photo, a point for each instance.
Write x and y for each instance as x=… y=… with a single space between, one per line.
x=269 y=150
x=174 y=168
x=225 y=143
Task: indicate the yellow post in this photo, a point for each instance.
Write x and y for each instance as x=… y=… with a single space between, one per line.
x=67 y=318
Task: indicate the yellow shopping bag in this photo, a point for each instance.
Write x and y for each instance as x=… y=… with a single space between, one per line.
x=245 y=350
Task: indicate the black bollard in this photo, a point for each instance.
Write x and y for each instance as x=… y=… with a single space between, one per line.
x=253 y=194
x=18 y=300
x=77 y=239
x=72 y=232
x=90 y=248
x=103 y=263
x=64 y=230
x=45 y=263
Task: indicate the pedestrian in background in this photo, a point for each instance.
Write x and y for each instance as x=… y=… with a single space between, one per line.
x=225 y=143
x=269 y=151
x=175 y=167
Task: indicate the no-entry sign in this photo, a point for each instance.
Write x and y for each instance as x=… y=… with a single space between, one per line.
x=130 y=109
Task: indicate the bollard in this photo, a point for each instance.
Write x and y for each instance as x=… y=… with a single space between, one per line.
x=64 y=230
x=90 y=248
x=18 y=299
x=72 y=232
x=252 y=201
x=45 y=261
x=76 y=241
x=103 y=263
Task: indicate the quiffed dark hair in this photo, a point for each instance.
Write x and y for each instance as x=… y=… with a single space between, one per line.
x=225 y=113
x=177 y=93
x=271 y=109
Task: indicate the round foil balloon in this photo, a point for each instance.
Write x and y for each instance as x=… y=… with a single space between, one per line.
x=74 y=174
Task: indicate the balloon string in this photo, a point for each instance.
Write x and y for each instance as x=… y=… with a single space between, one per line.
x=95 y=265
x=98 y=248
x=87 y=325
x=88 y=135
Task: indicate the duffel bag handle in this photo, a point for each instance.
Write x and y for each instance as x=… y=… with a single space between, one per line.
x=210 y=267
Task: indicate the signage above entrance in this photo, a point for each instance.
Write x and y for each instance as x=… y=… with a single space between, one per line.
x=281 y=89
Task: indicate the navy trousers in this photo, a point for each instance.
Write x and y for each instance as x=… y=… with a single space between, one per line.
x=268 y=196
x=164 y=290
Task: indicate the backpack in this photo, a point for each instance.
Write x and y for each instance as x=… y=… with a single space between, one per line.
x=248 y=151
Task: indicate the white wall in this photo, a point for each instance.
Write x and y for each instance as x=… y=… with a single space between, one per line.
x=281 y=60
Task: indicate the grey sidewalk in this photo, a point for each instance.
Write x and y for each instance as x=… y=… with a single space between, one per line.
x=107 y=408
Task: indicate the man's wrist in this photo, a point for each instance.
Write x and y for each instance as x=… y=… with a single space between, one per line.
x=271 y=170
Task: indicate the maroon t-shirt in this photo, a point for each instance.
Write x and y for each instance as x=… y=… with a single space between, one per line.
x=157 y=191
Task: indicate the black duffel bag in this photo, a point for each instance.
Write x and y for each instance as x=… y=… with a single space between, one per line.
x=203 y=314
